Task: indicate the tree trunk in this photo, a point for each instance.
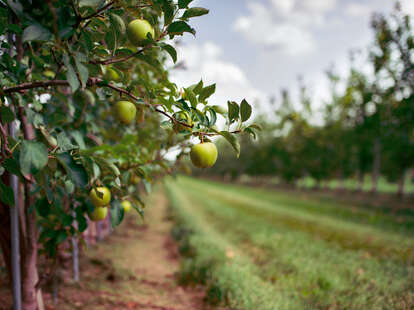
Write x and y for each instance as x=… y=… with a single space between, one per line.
x=5 y=226
x=376 y=165
x=30 y=275
x=360 y=181
x=401 y=183
x=31 y=296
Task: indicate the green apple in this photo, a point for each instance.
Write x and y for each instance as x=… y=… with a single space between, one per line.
x=102 y=201
x=204 y=155
x=98 y=214
x=85 y=96
x=126 y=205
x=112 y=75
x=138 y=30
x=135 y=179
x=49 y=74
x=125 y=111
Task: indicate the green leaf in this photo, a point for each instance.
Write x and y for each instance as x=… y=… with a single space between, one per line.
x=191 y=97
x=75 y=171
x=6 y=114
x=91 y=3
x=83 y=71
x=183 y=3
x=6 y=194
x=257 y=127
x=77 y=135
x=245 y=110
x=249 y=130
x=213 y=116
x=170 y=50
x=71 y=74
x=168 y=9
x=64 y=142
x=42 y=207
x=193 y=12
x=16 y=6
x=233 y=111
x=207 y=92
x=33 y=157
x=198 y=87
x=179 y=27
x=36 y=33
x=110 y=39
x=117 y=22
x=232 y=139
x=117 y=212
x=62 y=236
x=12 y=165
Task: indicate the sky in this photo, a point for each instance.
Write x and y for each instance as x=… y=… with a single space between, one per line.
x=254 y=48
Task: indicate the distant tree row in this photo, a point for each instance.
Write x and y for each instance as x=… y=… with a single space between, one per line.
x=366 y=127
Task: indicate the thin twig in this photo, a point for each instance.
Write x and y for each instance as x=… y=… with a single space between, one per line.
x=98 y=12
x=115 y=60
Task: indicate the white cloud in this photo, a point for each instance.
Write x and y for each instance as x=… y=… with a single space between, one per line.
x=284 y=25
x=408 y=6
x=262 y=28
x=356 y=9
x=317 y=6
x=205 y=62
x=284 y=6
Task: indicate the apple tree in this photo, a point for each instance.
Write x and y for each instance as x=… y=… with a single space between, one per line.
x=88 y=111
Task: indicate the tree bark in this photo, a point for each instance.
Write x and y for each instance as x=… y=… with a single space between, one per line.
x=401 y=183
x=376 y=165
x=30 y=275
x=5 y=226
x=31 y=296
x=360 y=181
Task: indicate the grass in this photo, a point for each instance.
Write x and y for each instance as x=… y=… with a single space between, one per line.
x=257 y=249
x=352 y=184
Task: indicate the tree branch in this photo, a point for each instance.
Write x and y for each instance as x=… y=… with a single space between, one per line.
x=98 y=12
x=115 y=60
x=91 y=82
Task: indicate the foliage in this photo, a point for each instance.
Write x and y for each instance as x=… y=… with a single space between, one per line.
x=64 y=65
x=366 y=126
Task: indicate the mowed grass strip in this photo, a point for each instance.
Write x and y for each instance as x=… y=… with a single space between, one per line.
x=231 y=278
x=313 y=270
x=342 y=232
x=397 y=221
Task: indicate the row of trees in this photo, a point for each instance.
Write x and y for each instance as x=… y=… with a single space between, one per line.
x=367 y=126
x=86 y=104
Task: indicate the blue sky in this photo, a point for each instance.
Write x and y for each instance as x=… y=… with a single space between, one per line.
x=253 y=48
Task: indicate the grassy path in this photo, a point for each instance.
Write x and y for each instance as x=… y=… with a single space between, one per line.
x=306 y=254
x=133 y=269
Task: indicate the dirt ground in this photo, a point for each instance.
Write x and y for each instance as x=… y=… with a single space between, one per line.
x=134 y=268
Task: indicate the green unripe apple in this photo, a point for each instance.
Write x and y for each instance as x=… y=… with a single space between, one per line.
x=100 y=201
x=126 y=205
x=98 y=214
x=112 y=75
x=135 y=179
x=125 y=111
x=49 y=74
x=204 y=155
x=138 y=30
x=85 y=96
